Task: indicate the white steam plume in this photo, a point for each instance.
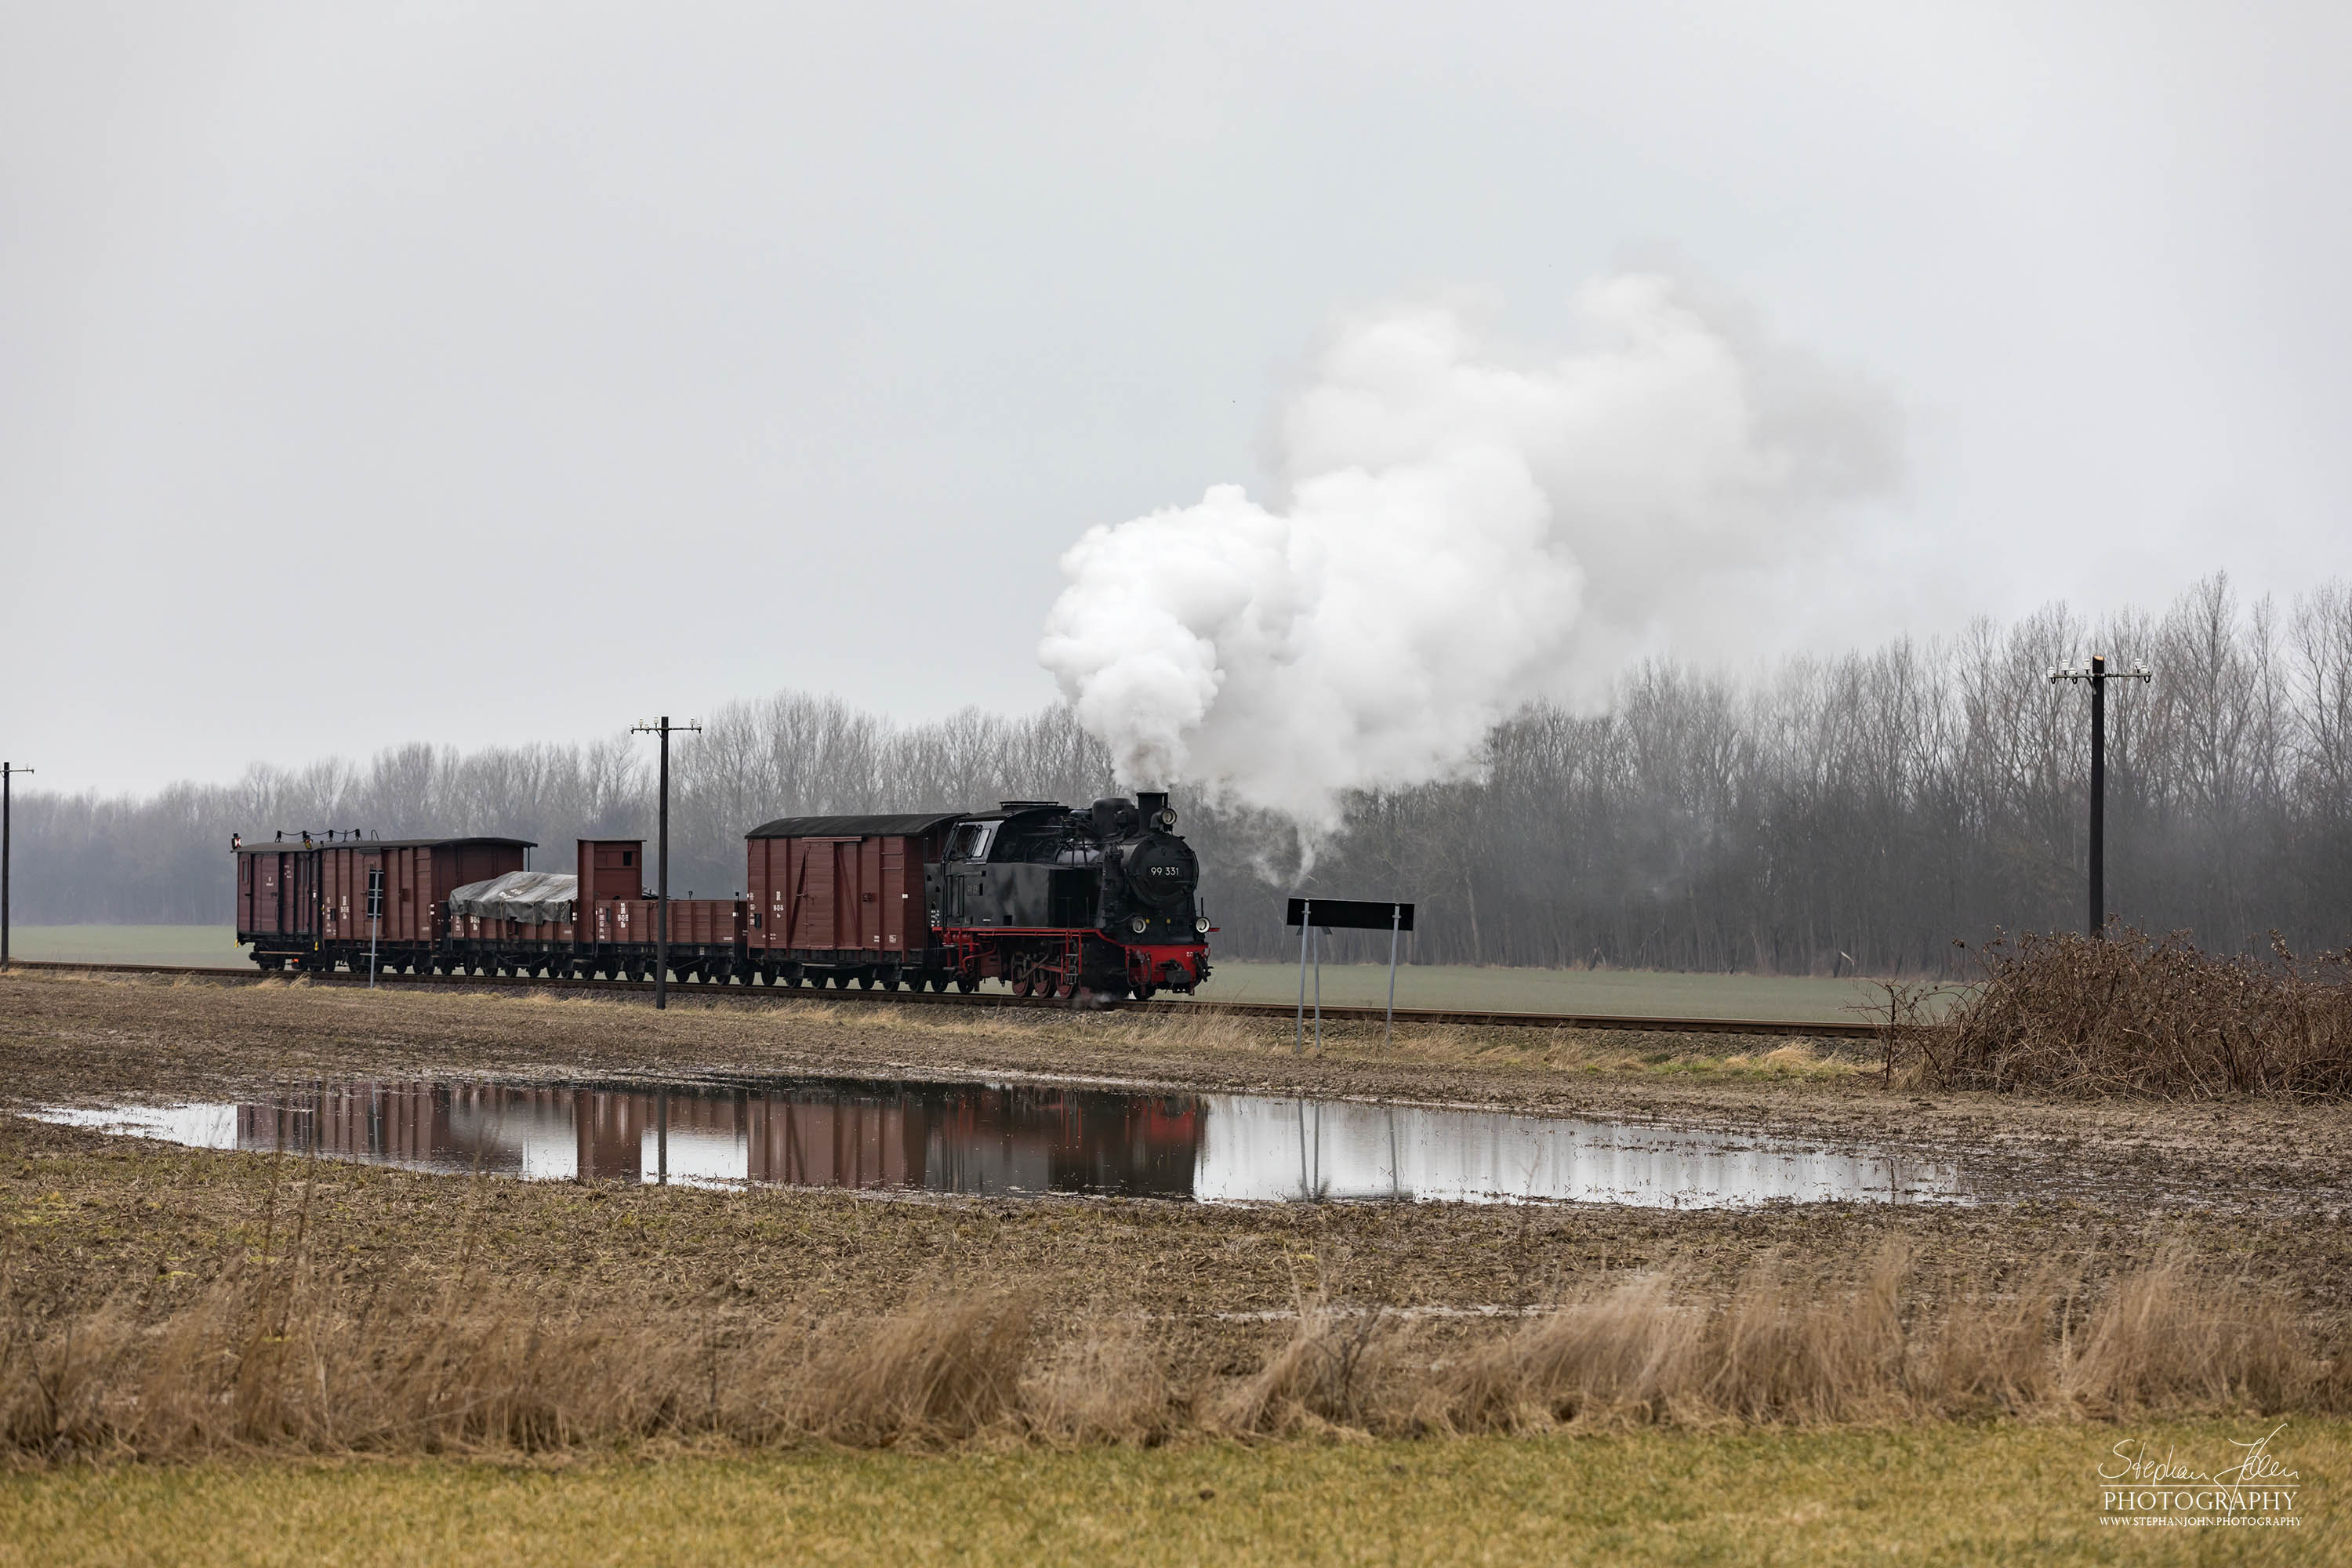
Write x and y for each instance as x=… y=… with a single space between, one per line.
x=1464 y=529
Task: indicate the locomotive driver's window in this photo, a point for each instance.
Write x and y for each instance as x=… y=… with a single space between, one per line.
x=970 y=842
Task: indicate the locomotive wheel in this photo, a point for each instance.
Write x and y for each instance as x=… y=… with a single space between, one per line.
x=1023 y=987
x=1144 y=993
x=967 y=984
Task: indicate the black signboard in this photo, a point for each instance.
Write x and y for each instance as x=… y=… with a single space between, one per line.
x=1350 y=914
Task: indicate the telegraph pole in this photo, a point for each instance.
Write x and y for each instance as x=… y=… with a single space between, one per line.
x=2098 y=675
x=8 y=771
x=664 y=729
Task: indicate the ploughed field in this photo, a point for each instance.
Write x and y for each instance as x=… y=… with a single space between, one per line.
x=2140 y=1262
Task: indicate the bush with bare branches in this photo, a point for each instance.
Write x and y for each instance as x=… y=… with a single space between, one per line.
x=2125 y=1013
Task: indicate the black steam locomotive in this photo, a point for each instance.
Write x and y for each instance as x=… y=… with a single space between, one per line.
x=1054 y=899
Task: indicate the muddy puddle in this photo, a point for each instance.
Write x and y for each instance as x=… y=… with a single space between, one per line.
x=1024 y=1140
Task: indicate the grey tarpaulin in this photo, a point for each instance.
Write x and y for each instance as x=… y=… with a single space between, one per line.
x=532 y=897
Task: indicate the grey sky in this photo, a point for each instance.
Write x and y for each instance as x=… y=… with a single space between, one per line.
x=509 y=372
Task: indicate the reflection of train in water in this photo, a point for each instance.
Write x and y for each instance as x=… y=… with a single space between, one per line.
x=978 y=1138
x=1015 y=1139
x=1049 y=900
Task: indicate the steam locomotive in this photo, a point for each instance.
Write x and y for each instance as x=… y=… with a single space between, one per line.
x=1052 y=901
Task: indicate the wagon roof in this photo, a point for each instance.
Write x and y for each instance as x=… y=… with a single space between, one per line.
x=909 y=825
x=319 y=843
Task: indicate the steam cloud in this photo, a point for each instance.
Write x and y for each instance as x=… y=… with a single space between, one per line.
x=1462 y=528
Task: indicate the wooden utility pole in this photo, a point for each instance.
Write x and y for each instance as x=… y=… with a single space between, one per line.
x=8 y=771
x=2098 y=675
x=664 y=729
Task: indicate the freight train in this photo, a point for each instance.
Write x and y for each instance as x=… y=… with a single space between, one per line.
x=1053 y=901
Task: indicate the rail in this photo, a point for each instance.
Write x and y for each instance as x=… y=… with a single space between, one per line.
x=1473 y=1016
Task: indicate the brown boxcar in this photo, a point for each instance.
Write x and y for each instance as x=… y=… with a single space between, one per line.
x=842 y=897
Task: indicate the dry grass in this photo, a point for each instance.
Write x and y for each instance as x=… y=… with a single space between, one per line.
x=281 y=1361
x=2127 y=1014
x=1786 y=1352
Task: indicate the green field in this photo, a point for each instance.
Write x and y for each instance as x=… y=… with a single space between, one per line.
x=207 y=945
x=1636 y=993
x=1620 y=991
x=1960 y=1494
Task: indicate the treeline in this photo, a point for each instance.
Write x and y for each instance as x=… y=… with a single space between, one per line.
x=1851 y=814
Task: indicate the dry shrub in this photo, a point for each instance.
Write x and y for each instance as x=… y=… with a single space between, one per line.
x=1781 y=1353
x=1341 y=1370
x=939 y=1371
x=1774 y=1353
x=263 y=1363
x=2165 y=1339
x=2126 y=1014
x=1991 y=1353
x=1107 y=1386
x=1624 y=1355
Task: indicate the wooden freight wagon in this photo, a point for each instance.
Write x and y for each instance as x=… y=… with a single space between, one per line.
x=305 y=903
x=841 y=899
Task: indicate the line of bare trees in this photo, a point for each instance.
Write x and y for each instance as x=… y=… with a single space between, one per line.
x=1857 y=812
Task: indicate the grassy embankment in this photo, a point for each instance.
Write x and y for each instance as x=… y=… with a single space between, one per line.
x=1946 y=1494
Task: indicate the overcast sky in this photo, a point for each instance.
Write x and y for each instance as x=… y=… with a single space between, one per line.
x=503 y=373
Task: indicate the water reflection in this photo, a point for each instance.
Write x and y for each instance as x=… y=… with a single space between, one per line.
x=1011 y=1139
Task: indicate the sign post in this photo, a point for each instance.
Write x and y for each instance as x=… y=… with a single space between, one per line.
x=1313 y=915
x=1299 y=910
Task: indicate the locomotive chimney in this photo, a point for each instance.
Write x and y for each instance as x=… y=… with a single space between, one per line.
x=1153 y=803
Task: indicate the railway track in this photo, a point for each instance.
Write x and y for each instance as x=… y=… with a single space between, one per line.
x=1005 y=1001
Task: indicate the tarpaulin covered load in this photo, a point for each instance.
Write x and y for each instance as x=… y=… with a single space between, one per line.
x=534 y=898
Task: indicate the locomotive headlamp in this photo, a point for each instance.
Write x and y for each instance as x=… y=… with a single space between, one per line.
x=1201 y=925
x=1139 y=925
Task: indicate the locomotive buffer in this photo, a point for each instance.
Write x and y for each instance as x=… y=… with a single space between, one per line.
x=1317 y=915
